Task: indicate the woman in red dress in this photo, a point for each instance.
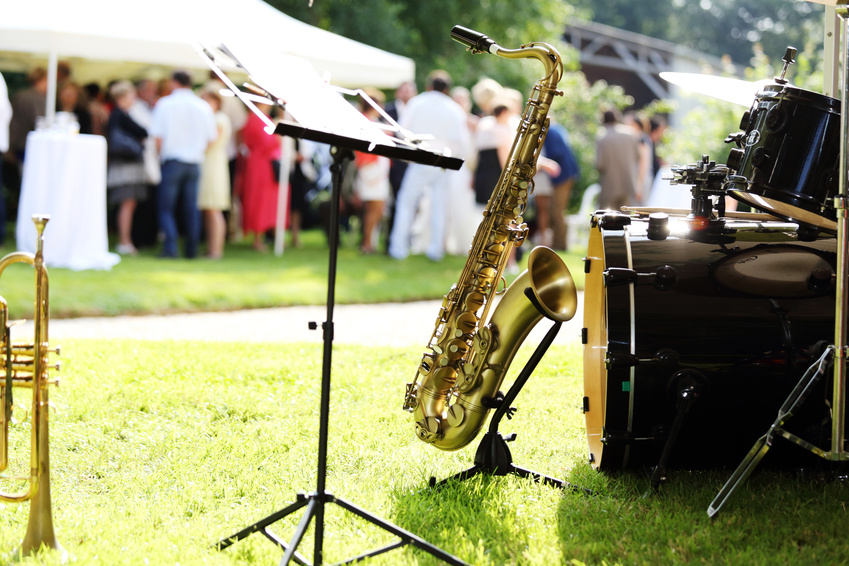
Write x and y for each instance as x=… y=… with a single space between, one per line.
x=259 y=186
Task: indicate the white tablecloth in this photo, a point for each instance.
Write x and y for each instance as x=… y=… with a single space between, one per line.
x=65 y=176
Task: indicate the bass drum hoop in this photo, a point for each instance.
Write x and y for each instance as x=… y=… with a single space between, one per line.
x=595 y=344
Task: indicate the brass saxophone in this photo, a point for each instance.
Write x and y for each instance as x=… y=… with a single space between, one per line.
x=466 y=359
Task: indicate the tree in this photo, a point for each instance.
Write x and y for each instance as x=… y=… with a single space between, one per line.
x=421 y=30
x=719 y=27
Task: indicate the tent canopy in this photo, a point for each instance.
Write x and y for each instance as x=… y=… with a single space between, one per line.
x=104 y=39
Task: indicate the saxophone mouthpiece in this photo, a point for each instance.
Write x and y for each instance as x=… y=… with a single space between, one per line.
x=474 y=40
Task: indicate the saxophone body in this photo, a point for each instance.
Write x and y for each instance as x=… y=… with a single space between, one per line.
x=469 y=354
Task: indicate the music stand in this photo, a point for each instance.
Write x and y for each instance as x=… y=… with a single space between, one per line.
x=342 y=150
x=838 y=350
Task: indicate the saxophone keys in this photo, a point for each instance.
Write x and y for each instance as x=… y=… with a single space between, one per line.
x=474 y=301
x=456 y=414
x=428 y=429
x=466 y=324
x=457 y=348
x=468 y=380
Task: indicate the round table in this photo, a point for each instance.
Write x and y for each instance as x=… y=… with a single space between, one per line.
x=65 y=176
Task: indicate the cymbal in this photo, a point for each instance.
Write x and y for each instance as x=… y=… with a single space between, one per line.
x=728 y=89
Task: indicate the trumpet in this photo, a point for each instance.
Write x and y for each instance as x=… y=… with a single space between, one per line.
x=27 y=366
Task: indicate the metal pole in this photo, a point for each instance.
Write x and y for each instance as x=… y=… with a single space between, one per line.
x=831 y=53
x=840 y=202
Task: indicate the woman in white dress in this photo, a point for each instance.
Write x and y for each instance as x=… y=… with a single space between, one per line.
x=214 y=191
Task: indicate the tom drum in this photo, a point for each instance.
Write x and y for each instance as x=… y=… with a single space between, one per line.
x=788 y=165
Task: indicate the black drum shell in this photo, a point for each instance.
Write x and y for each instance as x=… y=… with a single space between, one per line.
x=790 y=161
x=746 y=344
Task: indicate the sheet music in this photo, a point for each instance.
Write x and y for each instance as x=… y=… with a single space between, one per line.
x=310 y=99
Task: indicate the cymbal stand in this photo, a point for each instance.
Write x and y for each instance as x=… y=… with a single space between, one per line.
x=315 y=502
x=838 y=452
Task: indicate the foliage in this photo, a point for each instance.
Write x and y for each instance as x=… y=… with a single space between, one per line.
x=718 y=27
x=579 y=110
x=421 y=30
x=158 y=449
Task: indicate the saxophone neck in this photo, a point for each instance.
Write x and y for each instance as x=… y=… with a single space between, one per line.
x=543 y=52
x=477 y=42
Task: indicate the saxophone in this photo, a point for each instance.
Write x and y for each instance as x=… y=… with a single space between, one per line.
x=466 y=359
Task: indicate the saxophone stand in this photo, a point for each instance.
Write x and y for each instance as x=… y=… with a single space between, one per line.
x=838 y=452
x=316 y=501
x=493 y=456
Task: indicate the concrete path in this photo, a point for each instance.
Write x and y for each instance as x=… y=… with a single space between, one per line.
x=393 y=324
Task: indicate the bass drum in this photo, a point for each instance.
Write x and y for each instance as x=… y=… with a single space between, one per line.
x=737 y=317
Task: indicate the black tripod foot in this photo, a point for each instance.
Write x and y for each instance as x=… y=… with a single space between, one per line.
x=493 y=457
x=315 y=504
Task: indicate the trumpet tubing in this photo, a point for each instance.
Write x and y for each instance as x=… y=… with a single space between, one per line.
x=27 y=366
x=468 y=353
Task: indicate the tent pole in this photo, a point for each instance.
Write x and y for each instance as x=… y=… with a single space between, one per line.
x=50 y=105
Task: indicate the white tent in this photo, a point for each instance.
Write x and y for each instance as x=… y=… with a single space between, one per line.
x=105 y=37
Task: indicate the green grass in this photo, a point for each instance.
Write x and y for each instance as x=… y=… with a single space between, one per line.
x=159 y=449
x=243 y=279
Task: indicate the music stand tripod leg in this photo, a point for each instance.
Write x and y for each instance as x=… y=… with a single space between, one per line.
x=317 y=500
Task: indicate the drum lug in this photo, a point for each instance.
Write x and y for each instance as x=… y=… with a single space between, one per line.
x=623 y=438
x=614 y=360
x=614 y=221
x=665 y=357
x=735 y=158
x=663 y=279
x=658 y=229
x=619 y=276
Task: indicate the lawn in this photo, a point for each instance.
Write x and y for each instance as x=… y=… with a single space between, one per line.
x=243 y=279
x=160 y=449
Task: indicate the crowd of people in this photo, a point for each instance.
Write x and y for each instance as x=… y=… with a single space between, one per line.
x=186 y=162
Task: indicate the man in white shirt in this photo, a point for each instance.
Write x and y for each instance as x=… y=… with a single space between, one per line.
x=5 y=118
x=183 y=126
x=432 y=112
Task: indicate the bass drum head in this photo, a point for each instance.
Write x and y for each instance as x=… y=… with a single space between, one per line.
x=774 y=271
x=595 y=347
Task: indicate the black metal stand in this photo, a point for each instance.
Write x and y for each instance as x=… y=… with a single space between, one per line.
x=315 y=502
x=493 y=456
x=839 y=350
x=688 y=392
